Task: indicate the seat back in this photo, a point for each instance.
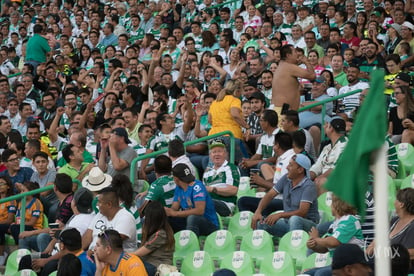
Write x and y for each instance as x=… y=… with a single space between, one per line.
x=294 y=243
x=240 y=262
x=324 y=207
x=316 y=260
x=240 y=224
x=244 y=187
x=25 y=272
x=186 y=242
x=13 y=260
x=405 y=153
x=408 y=182
x=278 y=263
x=258 y=244
x=219 y=244
x=199 y=263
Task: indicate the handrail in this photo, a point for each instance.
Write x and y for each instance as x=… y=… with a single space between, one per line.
x=323 y=103
x=202 y=139
x=23 y=202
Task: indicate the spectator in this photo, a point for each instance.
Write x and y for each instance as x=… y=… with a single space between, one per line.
x=109 y=253
x=301 y=212
x=192 y=208
x=222 y=179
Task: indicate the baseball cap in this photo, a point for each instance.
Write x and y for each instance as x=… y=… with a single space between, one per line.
x=408 y=25
x=83 y=200
x=404 y=77
x=347 y=254
x=320 y=79
x=183 y=172
x=324 y=1
x=120 y=131
x=216 y=143
x=70 y=237
x=303 y=161
x=395 y=26
x=338 y=124
x=376 y=13
x=259 y=96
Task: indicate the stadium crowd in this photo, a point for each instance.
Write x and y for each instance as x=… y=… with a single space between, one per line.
x=86 y=86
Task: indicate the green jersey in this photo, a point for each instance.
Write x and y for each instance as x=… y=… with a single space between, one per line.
x=162 y=190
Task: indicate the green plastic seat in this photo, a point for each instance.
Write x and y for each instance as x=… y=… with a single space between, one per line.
x=219 y=244
x=240 y=262
x=25 y=272
x=324 y=207
x=278 y=263
x=408 y=182
x=392 y=194
x=13 y=260
x=258 y=244
x=199 y=263
x=294 y=243
x=240 y=224
x=54 y=273
x=405 y=153
x=9 y=240
x=186 y=242
x=244 y=188
x=316 y=260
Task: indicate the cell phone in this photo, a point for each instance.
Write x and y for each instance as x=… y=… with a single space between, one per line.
x=53 y=225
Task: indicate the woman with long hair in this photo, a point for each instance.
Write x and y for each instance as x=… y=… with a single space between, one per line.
x=330 y=82
x=402 y=226
x=361 y=23
x=104 y=114
x=235 y=62
x=209 y=43
x=85 y=57
x=146 y=46
x=225 y=114
x=157 y=238
x=7 y=213
x=405 y=105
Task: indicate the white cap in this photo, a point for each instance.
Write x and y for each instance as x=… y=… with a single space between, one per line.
x=408 y=25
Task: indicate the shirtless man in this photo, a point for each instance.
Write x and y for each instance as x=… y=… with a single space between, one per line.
x=286 y=87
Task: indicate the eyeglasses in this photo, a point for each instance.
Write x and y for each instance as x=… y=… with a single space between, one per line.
x=14 y=159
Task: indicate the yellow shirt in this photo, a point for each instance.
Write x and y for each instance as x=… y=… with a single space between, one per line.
x=128 y=265
x=221 y=118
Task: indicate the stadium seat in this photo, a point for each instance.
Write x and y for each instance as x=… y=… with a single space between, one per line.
x=54 y=273
x=258 y=244
x=405 y=153
x=324 y=207
x=13 y=260
x=294 y=243
x=186 y=242
x=392 y=194
x=240 y=262
x=199 y=263
x=240 y=224
x=25 y=272
x=408 y=182
x=219 y=244
x=316 y=260
x=278 y=263
x=244 y=187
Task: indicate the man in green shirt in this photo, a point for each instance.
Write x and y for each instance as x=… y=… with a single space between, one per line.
x=38 y=47
x=162 y=189
x=75 y=167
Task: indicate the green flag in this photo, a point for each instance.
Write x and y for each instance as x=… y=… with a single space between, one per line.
x=349 y=179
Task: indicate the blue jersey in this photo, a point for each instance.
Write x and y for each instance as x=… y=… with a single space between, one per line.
x=88 y=266
x=196 y=192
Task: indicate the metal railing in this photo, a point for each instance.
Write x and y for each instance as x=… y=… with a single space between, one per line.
x=202 y=139
x=324 y=102
x=22 y=196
